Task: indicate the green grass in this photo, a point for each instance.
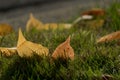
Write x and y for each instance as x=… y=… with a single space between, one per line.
x=91 y=60
x=113 y=16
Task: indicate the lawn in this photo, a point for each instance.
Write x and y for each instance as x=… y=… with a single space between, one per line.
x=92 y=61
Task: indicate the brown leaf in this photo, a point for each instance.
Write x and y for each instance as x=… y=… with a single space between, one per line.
x=5 y=29
x=27 y=49
x=109 y=37
x=94 y=12
x=64 y=51
x=8 y=51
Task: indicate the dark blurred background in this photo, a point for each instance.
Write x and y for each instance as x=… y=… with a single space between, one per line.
x=6 y=5
x=16 y=12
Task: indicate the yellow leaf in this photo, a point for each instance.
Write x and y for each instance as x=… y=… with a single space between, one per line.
x=27 y=49
x=34 y=23
x=5 y=29
x=55 y=26
x=38 y=25
x=48 y=26
x=8 y=51
x=64 y=51
x=109 y=37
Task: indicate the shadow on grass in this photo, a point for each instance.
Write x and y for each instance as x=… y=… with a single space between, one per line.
x=35 y=68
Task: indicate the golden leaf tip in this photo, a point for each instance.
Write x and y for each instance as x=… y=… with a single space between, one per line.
x=21 y=38
x=31 y=15
x=68 y=40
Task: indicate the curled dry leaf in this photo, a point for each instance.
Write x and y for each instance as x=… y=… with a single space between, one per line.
x=27 y=49
x=8 y=51
x=83 y=17
x=64 y=51
x=94 y=12
x=98 y=21
x=5 y=29
x=38 y=25
x=92 y=19
x=109 y=37
x=34 y=23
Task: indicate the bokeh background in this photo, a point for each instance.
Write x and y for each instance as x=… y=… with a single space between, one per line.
x=16 y=12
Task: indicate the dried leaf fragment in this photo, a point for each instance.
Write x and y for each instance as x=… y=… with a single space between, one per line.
x=64 y=51
x=34 y=23
x=38 y=25
x=109 y=37
x=94 y=12
x=55 y=26
x=8 y=51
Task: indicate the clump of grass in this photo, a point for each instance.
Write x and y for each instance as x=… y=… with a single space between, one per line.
x=91 y=60
x=113 y=15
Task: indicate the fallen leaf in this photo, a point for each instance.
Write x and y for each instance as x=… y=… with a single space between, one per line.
x=34 y=23
x=109 y=37
x=55 y=26
x=66 y=25
x=5 y=29
x=27 y=49
x=38 y=25
x=64 y=51
x=94 y=12
x=83 y=17
x=93 y=18
x=8 y=51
